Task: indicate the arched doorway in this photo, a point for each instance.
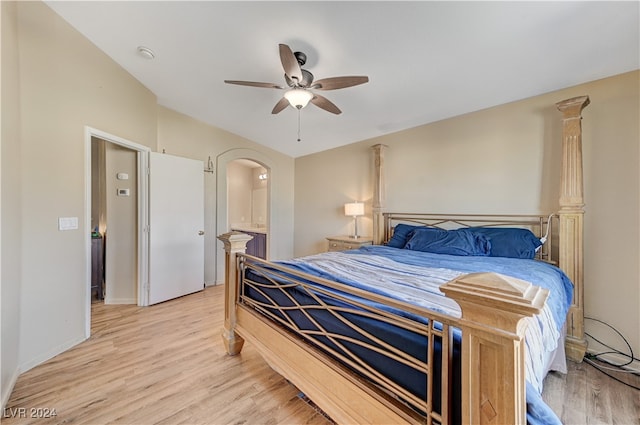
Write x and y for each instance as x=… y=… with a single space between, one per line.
x=223 y=223
x=247 y=184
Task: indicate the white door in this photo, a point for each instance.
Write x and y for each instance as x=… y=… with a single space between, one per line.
x=176 y=223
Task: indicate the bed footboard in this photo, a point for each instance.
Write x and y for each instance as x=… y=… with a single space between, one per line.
x=493 y=365
x=492 y=346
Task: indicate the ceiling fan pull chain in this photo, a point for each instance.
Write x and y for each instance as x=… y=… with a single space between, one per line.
x=299 y=124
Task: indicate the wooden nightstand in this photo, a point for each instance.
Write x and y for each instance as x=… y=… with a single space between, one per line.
x=342 y=243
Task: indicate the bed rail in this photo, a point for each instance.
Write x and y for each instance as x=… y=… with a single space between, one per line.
x=493 y=370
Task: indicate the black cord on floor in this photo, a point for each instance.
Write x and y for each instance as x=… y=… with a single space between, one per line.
x=597 y=367
x=589 y=357
x=630 y=356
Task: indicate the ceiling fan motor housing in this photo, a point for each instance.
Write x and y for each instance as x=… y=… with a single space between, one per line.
x=300 y=57
x=307 y=79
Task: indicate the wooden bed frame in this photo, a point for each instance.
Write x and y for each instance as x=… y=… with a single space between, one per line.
x=493 y=306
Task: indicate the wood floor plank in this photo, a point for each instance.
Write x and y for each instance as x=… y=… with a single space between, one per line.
x=166 y=364
x=598 y=400
x=625 y=412
x=586 y=396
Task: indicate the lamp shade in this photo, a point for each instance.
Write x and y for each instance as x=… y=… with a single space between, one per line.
x=298 y=98
x=354 y=209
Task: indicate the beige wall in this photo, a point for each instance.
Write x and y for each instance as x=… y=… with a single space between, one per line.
x=247 y=195
x=503 y=160
x=98 y=185
x=259 y=201
x=239 y=186
x=11 y=212
x=121 y=265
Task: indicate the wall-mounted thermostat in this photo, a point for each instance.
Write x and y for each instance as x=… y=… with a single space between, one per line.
x=123 y=192
x=67 y=223
x=122 y=176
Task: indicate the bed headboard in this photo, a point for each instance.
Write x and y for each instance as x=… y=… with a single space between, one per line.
x=541 y=225
x=570 y=216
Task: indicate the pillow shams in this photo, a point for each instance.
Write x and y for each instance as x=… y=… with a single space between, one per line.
x=401 y=235
x=509 y=241
x=453 y=242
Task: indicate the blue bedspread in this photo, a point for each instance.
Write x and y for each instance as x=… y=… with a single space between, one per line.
x=537 y=272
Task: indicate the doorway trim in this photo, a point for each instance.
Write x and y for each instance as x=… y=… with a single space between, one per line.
x=143 y=215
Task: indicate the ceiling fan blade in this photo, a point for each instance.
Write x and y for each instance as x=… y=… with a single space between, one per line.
x=324 y=103
x=339 y=82
x=254 y=84
x=281 y=105
x=290 y=63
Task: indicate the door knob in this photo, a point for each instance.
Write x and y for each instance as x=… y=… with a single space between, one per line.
x=201 y=232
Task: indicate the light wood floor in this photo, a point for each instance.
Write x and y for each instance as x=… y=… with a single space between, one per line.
x=166 y=364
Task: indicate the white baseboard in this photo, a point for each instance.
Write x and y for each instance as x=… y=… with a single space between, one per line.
x=8 y=388
x=108 y=300
x=49 y=354
x=613 y=358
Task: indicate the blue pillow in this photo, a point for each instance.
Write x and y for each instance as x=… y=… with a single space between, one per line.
x=509 y=241
x=453 y=242
x=401 y=235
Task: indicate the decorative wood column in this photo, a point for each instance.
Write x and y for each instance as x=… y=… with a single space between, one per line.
x=493 y=347
x=234 y=243
x=378 y=193
x=571 y=221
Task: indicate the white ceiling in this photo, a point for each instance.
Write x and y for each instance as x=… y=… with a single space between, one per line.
x=426 y=61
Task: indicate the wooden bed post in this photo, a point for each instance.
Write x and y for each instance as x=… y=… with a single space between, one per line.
x=493 y=347
x=378 y=194
x=571 y=221
x=234 y=243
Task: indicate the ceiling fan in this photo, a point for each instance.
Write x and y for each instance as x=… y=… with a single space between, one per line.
x=300 y=84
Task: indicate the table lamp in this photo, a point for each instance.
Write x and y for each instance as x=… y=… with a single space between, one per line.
x=354 y=209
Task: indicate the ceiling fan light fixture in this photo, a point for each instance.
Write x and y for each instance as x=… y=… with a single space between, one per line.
x=298 y=98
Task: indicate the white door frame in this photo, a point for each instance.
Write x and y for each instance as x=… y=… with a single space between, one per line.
x=143 y=216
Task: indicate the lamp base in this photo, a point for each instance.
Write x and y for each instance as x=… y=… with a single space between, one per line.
x=355 y=228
